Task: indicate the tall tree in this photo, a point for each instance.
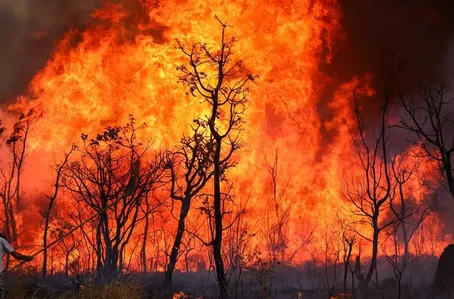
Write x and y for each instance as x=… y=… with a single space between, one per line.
x=190 y=170
x=11 y=174
x=222 y=83
x=372 y=195
x=47 y=213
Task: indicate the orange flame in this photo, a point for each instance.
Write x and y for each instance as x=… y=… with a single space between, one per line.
x=126 y=64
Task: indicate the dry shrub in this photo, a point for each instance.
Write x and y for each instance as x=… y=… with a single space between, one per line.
x=20 y=288
x=111 y=291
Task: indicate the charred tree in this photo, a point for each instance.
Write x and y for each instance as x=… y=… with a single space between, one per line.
x=405 y=211
x=372 y=195
x=192 y=159
x=112 y=177
x=278 y=214
x=348 y=241
x=11 y=175
x=222 y=83
x=46 y=213
x=143 y=251
x=429 y=120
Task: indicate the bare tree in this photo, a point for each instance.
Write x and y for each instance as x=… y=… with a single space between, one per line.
x=372 y=195
x=240 y=248
x=278 y=214
x=222 y=83
x=78 y=254
x=143 y=251
x=68 y=245
x=88 y=232
x=112 y=178
x=158 y=234
x=150 y=205
x=348 y=241
x=331 y=254
x=410 y=215
x=429 y=119
x=190 y=170
x=11 y=175
x=46 y=213
x=189 y=248
x=59 y=229
x=398 y=262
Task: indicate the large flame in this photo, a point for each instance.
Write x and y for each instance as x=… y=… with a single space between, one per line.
x=126 y=64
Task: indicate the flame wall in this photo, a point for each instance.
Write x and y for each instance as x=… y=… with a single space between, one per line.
x=125 y=63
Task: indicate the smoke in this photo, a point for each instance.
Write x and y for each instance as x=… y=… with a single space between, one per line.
x=418 y=32
x=447 y=64
x=29 y=30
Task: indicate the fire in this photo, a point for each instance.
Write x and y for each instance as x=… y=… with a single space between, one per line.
x=126 y=64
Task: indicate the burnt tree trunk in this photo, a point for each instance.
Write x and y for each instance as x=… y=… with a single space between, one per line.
x=227 y=98
x=46 y=230
x=143 y=251
x=347 y=264
x=217 y=242
x=373 y=261
x=405 y=238
x=177 y=242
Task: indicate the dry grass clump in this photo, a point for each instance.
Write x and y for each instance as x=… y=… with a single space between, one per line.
x=110 y=291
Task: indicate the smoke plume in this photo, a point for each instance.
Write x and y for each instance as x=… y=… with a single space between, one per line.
x=29 y=30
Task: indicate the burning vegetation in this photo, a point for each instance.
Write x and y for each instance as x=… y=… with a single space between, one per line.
x=179 y=150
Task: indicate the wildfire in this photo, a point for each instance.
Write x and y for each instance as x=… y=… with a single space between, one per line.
x=125 y=64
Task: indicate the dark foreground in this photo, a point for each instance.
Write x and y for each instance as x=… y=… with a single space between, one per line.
x=280 y=282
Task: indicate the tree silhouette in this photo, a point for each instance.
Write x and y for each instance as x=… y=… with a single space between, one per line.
x=372 y=195
x=429 y=120
x=190 y=170
x=112 y=177
x=222 y=83
x=46 y=213
x=10 y=176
